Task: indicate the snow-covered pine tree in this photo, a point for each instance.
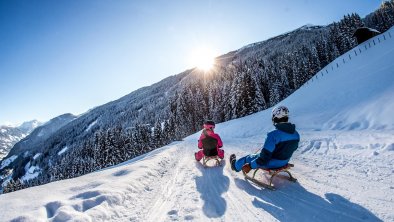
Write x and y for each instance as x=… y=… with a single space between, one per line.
x=157 y=137
x=383 y=18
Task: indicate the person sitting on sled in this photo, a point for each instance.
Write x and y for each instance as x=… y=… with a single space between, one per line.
x=278 y=147
x=209 y=142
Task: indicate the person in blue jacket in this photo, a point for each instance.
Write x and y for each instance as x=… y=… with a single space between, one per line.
x=278 y=147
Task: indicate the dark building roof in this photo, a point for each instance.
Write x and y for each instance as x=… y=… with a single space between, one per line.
x=364 y=33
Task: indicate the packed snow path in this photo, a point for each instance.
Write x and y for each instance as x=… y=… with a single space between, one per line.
x=336 y=183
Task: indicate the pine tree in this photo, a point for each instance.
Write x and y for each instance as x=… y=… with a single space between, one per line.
x=185 y=114
x=322 y=51
x=200 y=103
x=157 y=138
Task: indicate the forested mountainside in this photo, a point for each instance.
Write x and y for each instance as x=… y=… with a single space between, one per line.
x=260 y=75
x=243 y=82
x=40 y=134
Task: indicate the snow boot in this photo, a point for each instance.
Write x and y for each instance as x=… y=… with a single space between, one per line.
x=233 y=158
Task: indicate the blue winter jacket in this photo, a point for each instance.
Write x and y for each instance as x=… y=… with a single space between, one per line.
x=279 y=146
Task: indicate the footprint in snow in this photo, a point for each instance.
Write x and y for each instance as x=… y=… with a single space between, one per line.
x=87 y=195
x=173 y=214
x=52 y=207
x=188 y=217
x=120 y=173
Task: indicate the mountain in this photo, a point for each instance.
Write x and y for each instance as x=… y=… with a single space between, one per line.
x=10 y=135
x=29 y=125
x=31 y=144
x=344 y=164
x=40 y=134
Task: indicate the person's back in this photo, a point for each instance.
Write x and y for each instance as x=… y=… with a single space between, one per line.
x=209 y=142
x=278 y=148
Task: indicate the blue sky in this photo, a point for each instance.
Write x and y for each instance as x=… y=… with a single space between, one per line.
x=69 y=56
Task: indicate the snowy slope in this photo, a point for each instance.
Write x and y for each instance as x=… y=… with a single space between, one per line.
x=344 y=164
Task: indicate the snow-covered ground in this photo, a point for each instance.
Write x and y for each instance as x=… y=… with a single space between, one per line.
x=344 y=165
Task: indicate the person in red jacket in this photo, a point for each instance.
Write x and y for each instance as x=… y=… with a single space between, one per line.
x=209 y=142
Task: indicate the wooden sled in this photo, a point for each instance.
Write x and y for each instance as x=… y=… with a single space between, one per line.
x=206 y=159
x=273 y=173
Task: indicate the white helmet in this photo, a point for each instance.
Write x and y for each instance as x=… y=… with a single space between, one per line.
x=280 y=112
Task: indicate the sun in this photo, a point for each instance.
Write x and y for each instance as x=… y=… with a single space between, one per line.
x=203 y=58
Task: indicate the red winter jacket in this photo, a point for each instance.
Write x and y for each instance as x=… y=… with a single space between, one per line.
x=210 y=134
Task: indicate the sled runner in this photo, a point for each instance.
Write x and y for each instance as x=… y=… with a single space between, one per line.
x=273 y=173
x=206 y=159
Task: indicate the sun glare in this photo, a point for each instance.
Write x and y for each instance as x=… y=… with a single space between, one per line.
x=203 y=58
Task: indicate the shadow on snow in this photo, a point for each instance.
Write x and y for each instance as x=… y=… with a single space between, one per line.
x=211 y=185
x=294 y=203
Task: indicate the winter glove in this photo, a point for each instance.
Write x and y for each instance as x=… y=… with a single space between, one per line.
x=246 y=168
